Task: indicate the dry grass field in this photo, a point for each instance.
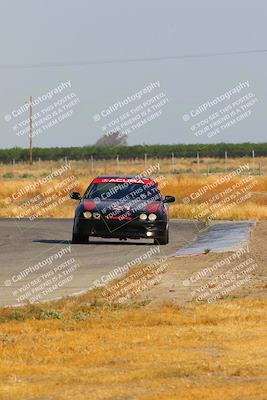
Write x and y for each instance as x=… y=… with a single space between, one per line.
x=82 y=349
x=183 y=178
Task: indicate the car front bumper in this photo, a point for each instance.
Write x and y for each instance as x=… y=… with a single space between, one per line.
x=134 y=229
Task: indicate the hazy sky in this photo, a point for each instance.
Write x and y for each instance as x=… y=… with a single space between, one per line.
x=111 y=50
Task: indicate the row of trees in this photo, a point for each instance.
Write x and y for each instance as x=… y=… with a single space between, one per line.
x=128 y=152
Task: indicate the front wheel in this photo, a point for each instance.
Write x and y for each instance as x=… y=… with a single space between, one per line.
x=162 y=240
x=79 y=239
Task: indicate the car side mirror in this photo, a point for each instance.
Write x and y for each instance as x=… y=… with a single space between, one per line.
x=169 y=199
x=75 y=196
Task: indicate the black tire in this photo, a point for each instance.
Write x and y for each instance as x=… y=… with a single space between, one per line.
x=162 y=240
x=79 y=239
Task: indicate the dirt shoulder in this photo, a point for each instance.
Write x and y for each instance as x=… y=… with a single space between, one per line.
x=226 y=275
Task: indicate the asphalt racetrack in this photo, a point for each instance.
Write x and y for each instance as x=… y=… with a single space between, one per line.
x=38 y=261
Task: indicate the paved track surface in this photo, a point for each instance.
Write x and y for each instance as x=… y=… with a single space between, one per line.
x=220 y=237
x=32 y=266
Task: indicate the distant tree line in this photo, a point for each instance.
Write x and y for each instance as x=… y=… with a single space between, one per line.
x=129 y=152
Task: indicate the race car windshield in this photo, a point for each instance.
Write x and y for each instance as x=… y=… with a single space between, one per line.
x=114 y=190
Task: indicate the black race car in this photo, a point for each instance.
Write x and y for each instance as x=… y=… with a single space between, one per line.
x=121 y=207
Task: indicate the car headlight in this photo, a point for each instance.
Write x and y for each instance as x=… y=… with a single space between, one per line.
x=87 y=214
x=143 y=217
x=152 y=217
x=96 y=215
